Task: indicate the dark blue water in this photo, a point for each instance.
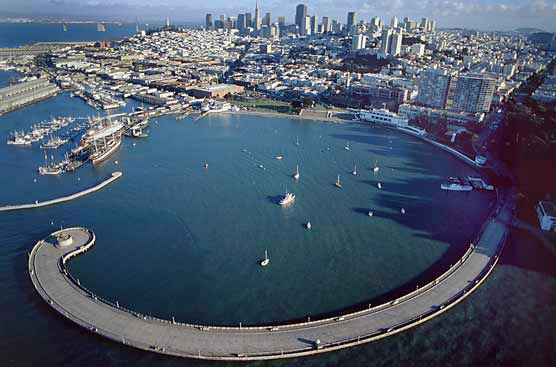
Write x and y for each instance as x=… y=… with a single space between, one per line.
x=14 y=35
x=177 y=240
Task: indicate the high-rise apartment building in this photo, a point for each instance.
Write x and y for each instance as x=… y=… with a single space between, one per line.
x=282 y=21
x=358 y=42
x=385 y=41
x=305 y=26
x=395 y=46
x=300 y=14
x=267 y=19
x=434 y=87
x=474 y=93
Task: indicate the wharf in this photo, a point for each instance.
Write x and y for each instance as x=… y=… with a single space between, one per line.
x=38 y=204
x=72 y=300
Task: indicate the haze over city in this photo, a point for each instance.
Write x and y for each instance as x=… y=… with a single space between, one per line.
x=480 y=14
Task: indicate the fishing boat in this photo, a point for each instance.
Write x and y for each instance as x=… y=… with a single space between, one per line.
x=338 y=184
x=296 y=175
x=288 y=199
x=53 y=143
x=266 y=260
x=354 y=170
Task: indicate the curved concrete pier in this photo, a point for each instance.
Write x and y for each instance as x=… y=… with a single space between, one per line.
x=38 y=204
x=71 y=299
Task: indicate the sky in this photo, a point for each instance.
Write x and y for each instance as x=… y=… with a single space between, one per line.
x=478 y=14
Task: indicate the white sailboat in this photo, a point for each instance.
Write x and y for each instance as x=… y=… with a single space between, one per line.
x=296 y=175
x=266 y=260
x=338 y=184
x=354 y=170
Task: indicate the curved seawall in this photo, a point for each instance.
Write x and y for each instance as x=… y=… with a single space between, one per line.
x=72 y=300
x=38 y=204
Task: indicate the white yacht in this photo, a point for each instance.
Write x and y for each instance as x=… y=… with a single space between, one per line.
x=279 y=157
x=338 y=184
x=379 y=185
x=354 y=170
x=266 y=260
x=376 y=168
x=402 y=210
x=308 y=225
x=370 y=213
x=287 y=199
x=347 y=146
x=296 y=175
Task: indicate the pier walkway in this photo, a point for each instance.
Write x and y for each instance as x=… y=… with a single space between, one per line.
x=72 y=300
x=38 y=204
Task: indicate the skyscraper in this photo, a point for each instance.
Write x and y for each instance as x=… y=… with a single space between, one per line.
x=385 y=41
x=300 y=14
x=314 y=24
x=267 y=19
x=305 y=29
x=248 y=20
x=209 y=22
x=395 y=46
x=257 y=20
x=326 y=25
x=394 y=22
x=282 y=21
x=241 y=23
x=425 y=24
x=351 y=20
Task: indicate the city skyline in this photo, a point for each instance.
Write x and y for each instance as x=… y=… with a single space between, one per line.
x=482 y=14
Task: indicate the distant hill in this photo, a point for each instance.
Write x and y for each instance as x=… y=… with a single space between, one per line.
x=529 y=30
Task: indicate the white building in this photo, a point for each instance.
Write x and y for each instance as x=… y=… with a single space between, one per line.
x=358 y=42
x=546 y=212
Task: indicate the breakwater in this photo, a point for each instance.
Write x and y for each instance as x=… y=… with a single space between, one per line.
x=38 y=204
x=114 y=321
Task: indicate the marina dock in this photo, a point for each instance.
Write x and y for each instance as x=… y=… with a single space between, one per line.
x=115 y=321
x=38 y=204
